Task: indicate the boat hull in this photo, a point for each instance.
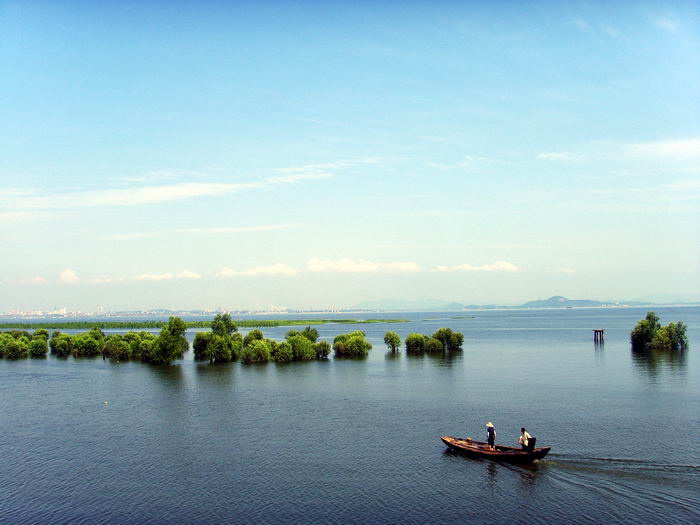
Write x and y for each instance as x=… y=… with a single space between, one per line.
x=478 y=449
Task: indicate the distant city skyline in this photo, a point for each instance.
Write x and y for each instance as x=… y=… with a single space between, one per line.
x=305 y=155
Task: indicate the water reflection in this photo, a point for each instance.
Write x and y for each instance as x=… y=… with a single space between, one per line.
x=219 y=375
x=447 y=359
x=392 y=356
x=654 y=362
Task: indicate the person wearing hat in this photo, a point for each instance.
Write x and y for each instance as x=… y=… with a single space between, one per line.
x=491 y=435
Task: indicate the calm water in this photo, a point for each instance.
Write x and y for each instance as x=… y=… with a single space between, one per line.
x=358 y=441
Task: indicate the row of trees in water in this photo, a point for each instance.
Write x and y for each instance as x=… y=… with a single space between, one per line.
x=222 y=344
x=164 y=348
x=648 y=334
x=443 y=340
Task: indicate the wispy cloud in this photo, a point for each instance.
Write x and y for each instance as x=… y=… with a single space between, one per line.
x=130 y=236
x=273 y=269
x=465 y=163
x=558 y=156
x=125 y=197
x=199 y=230
x=567 y=271
x=347 y=265
x=498 y=266
x=665 y=23
x=68 y=276
x=149 y=194
x=185 y=274
x=239 y=229
x=681 y=149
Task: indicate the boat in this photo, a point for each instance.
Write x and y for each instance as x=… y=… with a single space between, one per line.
x=478 y=449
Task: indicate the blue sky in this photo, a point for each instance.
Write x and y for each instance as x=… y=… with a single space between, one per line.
x=308 y=154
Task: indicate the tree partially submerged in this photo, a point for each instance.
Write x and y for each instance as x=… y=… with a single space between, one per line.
x=648 y=334
x=352 y=344
x=442 y=340
x=392 y=341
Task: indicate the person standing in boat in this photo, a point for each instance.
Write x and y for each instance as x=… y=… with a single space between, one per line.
x=491 y=435
x=524 y=439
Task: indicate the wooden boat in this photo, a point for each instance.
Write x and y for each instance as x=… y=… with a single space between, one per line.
x=479 y=449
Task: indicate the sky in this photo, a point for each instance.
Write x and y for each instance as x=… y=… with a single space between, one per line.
x=256 y=155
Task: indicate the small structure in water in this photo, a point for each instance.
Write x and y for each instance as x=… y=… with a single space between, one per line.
x=598 y=336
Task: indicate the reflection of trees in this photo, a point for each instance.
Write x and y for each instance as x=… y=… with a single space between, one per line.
x=447 y=358
x=655 y=361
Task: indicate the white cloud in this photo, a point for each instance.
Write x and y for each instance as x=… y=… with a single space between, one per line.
x=681 y=149
x=498 y=266
x=102 y=280
x=34 y=281
x=567 y=271
x=560 y=156
x=347 y=265
x=273 y=269
x=666 y=24
x=129 y=236
x=185 y=274
x=238 y=229
x=68 y=276
x=128 y=196
x=292 y=179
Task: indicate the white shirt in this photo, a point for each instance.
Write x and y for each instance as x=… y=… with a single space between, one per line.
x=523 y=438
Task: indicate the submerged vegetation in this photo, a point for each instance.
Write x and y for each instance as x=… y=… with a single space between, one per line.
x=142 y=325
x=648 y=334
x=220 y=345
x=443 y=340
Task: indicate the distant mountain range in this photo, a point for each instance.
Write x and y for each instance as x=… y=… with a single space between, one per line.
x=556 y=301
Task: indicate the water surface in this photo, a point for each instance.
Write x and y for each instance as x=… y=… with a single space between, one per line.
x=349 y=441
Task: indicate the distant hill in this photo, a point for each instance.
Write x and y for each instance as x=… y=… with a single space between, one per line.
x=557 y=301
x=418 y=305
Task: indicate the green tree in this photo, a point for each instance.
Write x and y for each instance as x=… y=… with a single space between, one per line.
x=5 y=339
x=433 y=345
x=223 y=325
x=220 y=349
x=670 y=338
x=171 y=343
x=352 y=344
x=253 y=335
x=258 y=351
x=61 y=344
x=302 y=348
x=392 y=341
x=644 y=331
x=17 y=348
x=200 y=345
x=415 y=343
x=38 y=346
x=41 y=332
x=323 y=349
x=84 y=345
x=117 y=348
x=281 y=352
x=310 y=333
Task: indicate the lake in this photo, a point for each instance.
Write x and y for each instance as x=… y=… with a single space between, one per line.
x=348 y=441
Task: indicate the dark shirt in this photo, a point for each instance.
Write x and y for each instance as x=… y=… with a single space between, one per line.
x=492 y=434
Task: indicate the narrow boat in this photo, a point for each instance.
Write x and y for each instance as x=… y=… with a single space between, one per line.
x=479 y=449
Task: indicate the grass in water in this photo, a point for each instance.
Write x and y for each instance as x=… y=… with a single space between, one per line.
x=140 y=325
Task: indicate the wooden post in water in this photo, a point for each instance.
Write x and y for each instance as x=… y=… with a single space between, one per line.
x=598 y=336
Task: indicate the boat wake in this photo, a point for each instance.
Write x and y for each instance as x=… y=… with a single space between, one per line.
x=629 y=461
